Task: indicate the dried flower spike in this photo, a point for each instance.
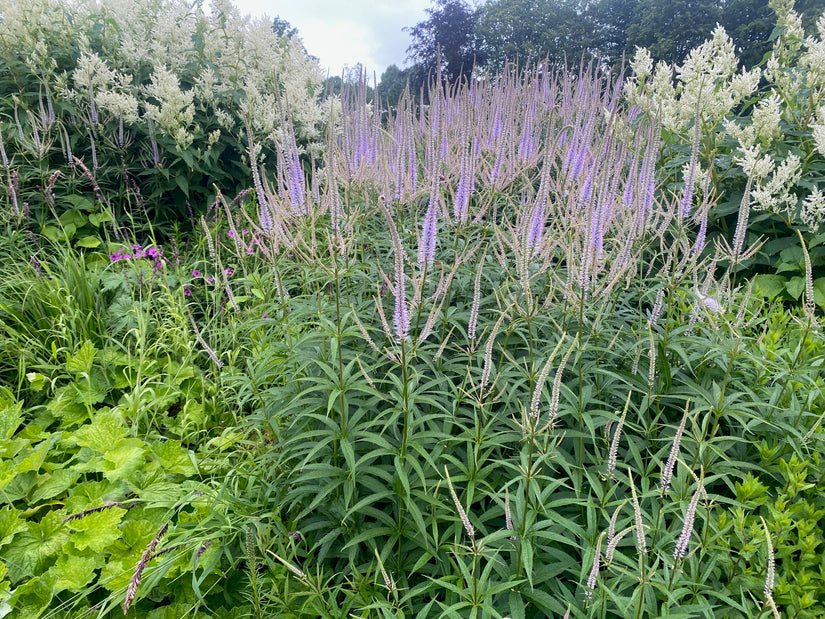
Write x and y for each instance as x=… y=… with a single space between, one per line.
x=461 y=513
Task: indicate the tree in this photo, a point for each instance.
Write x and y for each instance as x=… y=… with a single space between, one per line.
x=561 y=30
x=749 y=23
x=283 y=28
x=670 y=29
x=447 y=35
x=392 y=85
x=611 y=19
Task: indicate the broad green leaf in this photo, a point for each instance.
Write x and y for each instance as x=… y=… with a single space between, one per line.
x=795 y=286
x=11 y=416
x=83 y=359
x=88 y=392
x=98 y=530
x=173 y=457
x=98 y=218
x=31 y=598
x=34 y=459
x=770 y=286
x=100 y=435
x=10 y=524
x=123 y=459
x=32 y=549
x=52 y=484
x=89 y=241
x=7 y=472
x=73 y=573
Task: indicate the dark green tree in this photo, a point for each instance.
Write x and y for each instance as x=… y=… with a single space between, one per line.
x=610 y=20
x=671 y=28
x=749 y=23
x=392 y=85
x=531 y=30
x=448 y=36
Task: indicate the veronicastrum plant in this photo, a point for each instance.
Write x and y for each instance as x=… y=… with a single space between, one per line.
x=501 y=372
x=484 y=359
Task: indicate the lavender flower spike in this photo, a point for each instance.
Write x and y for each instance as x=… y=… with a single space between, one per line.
x=429 y=231
x=594 y=570
x=401 y=318
x=687 y=528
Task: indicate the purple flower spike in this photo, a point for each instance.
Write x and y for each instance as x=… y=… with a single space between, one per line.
x=401 y=318
x=429 y=231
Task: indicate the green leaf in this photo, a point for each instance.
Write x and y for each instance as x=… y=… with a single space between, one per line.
x=98 y=218
x=89 y=241
x=31 y=598
x=54 y=484
x=819 y=291
x=34 y=460
x=173 y=457
x=82 y=360
x=124 y=459
x=98 y=530
x=182 y=183
x=795 y=286
x=73 y=573
x=104 y=431
x=10 y=524
x=769 y=286
x=11 y=416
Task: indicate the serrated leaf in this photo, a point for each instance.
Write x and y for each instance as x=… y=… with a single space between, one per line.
x=88 y=392
x=123 y=459
x=34 y=459
x=10 y=524
x=104 y=431
x=7 y=473
x=30 y=599
x=11 y=416
x=97 y=530
x=83 y=359
x=73 y=572
x=54 y=484
x=173 y=457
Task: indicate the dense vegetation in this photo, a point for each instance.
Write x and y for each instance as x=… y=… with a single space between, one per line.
x=549 y=346
x=482 y=36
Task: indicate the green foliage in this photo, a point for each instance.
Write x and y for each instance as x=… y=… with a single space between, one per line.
x=159 y=100
x=239 y=422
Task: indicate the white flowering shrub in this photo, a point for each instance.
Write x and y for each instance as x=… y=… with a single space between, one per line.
x=759 y=133
x=157 y=98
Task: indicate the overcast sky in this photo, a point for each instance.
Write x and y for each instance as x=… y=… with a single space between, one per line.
x=346 y=32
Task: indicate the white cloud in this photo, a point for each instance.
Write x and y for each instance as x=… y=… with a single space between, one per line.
x=346 y=32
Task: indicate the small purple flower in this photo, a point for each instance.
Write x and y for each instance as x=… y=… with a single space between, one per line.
x=210 y=280
x=229 y=272
x=265 y=316
x=186 y=291
x=196 y=273
x=135 y=247
x=231 y=234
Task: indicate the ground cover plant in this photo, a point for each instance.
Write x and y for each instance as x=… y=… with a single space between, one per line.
x=510 y=354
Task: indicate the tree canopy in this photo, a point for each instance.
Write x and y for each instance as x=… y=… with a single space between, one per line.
x=486 y=35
